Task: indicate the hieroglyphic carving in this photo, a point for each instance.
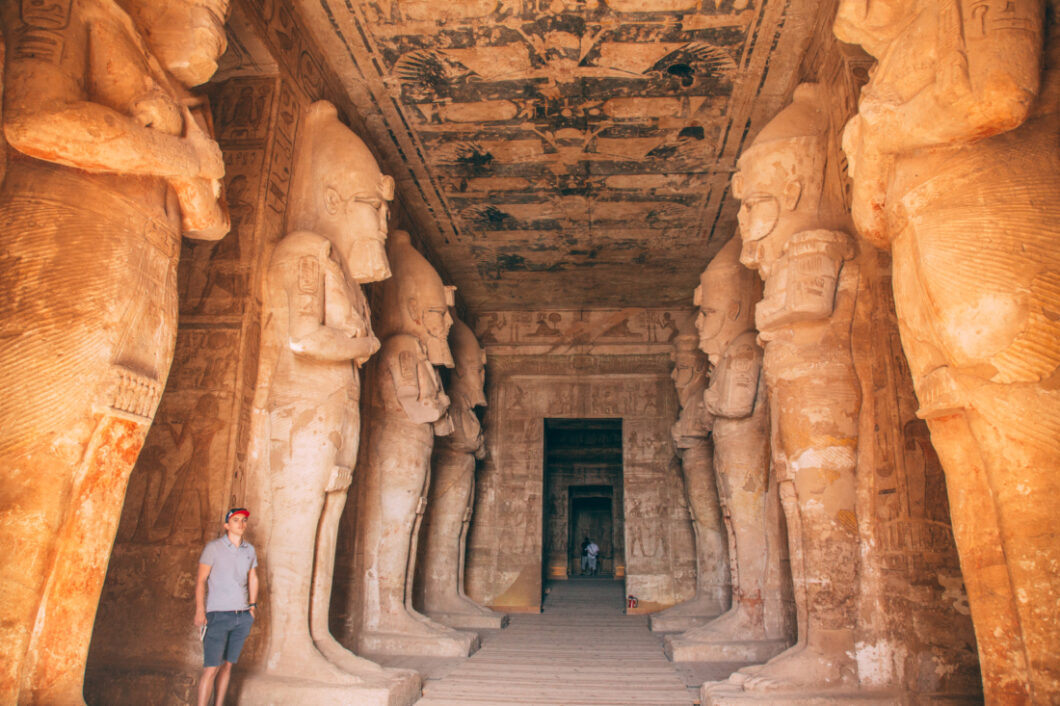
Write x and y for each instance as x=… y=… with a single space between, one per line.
x=566 y=331
x=955 y=168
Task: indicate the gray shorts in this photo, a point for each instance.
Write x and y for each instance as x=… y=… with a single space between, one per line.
x=226 y=630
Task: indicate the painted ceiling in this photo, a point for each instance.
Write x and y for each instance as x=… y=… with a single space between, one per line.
x=565 y=153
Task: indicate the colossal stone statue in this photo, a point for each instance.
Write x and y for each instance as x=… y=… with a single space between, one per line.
x=757 y=626
x=112 y=162
x=317 y=333
x=452 y=494
x=956 y=168
x=691 y=434
x=787 y=224
x=408 y=407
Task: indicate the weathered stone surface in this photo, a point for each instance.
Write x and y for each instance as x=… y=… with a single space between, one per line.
x=691 y=434
x=439 y=589
x=408 y=407
x=955 y=165
x=759 y=624
x=114 y=160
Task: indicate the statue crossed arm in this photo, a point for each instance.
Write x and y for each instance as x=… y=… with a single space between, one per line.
x=950 y=72
x=91 y=95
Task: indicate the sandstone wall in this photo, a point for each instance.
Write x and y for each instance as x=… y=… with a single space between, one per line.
x=601 y=364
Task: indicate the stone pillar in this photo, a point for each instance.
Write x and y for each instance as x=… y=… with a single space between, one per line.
x=691 y=434
x=440 y=580
x=805 y=320
x=758 y=625
x=408 y=407
x=317 y=324
x=105 y=177
x=956 y=170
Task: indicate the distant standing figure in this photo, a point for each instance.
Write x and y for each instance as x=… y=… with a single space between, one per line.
x=592 y=551
x=585 y=555
x=226 y=594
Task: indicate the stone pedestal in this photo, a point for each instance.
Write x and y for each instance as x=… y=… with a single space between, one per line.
x=390 y=688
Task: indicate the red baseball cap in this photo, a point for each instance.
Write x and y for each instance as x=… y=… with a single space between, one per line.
x=237 y=511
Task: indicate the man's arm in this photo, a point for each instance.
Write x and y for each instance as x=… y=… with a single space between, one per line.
x=252 y=589
x=200 y=594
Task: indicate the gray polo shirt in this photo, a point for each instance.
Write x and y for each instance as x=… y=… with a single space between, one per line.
x=226 y=587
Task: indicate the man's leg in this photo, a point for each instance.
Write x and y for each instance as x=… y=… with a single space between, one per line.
x=224 y=672
x=206 y=684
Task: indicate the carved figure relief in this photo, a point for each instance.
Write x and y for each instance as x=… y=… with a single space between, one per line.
x=956 y=168
x=804 y=320
x=409 y=407
x=757 y=626
x=111 y=154
x=317 y=324
x=691 y=436
x=452 y=493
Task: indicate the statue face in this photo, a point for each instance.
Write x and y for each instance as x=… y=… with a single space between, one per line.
x=712 y=314
x=872 y=23
x=684 y=370
x=358 y=211
x=780 y=191
x=187 y=36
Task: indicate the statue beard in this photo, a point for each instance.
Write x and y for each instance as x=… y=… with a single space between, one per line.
x=438 y=352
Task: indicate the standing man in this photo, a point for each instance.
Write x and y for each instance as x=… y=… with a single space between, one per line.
x=592 y=551
x=228 y=567
x=585 y=556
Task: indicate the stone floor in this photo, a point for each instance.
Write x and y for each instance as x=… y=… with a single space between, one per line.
x=582 y=649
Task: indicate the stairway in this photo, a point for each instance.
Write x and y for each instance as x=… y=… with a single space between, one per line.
x=582 y=649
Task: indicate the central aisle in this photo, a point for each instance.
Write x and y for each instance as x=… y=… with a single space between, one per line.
x=582 y=649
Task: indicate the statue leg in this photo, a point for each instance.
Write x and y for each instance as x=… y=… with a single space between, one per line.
x=327 y=539
x=1017 y=428
x=302 y=460
x=817 y=419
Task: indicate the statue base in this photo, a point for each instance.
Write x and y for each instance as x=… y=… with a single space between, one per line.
x=665 y=622
x=726 y=694
x=472 y=621
x=678 y=649
x=391 y=688
x=445 y=644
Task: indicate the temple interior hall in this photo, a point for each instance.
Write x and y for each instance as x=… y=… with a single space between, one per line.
x=555 y=352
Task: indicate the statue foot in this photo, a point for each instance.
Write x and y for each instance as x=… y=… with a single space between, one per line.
x=734 y=624
x=801 y=667
x=309 y=664
x=346 y=660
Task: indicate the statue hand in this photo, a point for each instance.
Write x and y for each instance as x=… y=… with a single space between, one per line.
x=204 y=147
x=953 y=82
x=870 y=171
x=204 y=215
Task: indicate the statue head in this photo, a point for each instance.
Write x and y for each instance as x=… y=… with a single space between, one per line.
x=780 y=181
x=187 y=36
x=469 y=376
x=337 y=191
x=873 y=24
x=734 y=384
x=690 y=367
x=726 y=298
x=690 y=379
x=415 y=301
